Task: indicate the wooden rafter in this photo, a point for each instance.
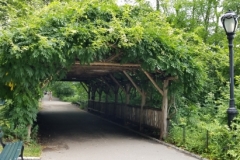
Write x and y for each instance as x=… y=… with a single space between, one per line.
x=88 y=72
x=134 y=84
x=143 y=94
x=111 y=58
x=172 y=78
x=109 y=86
x=153 y=82
x=84 y=86
x=110 y=64
x=114 y=79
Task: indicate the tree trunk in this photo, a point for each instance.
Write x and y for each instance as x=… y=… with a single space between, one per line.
x=157 y=5
x=29 y=132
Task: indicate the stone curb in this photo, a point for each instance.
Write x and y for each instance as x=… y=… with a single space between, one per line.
x=172 y=146
x=154 y=139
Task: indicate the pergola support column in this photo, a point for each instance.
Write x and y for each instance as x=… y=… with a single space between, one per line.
x=164 y=93
x=116 y=89
x=106 y=91
x=143 y=102
x=163 y=123
x=127 y=102
x=126 y=91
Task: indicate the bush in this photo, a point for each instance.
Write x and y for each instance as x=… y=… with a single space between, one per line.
x=62 y=89
x=204 y=130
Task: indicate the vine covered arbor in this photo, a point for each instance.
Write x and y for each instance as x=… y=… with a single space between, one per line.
x=111 y=48
x=105 y=77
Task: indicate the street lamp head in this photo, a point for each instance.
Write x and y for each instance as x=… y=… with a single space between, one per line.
x=230 y=22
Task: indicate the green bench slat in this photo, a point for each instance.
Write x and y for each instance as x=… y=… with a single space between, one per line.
x=11 y=151
x=17 y=149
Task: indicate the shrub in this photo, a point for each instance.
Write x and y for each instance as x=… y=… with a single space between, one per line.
x=204 y=130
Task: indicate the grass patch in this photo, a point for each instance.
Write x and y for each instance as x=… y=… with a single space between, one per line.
x=31 y=150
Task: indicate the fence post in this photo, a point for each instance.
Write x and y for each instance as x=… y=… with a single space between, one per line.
x=184 y=135
x=207 y=140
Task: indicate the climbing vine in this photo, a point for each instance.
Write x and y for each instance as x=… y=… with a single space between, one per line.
x=39 y=47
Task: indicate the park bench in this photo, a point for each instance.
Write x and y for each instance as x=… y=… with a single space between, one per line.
x=1 y=102
x=11 y=151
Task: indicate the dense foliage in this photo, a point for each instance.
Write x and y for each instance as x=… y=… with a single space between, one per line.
x=40 y=40
x=69 y=91
x=208 y=113
x=204 y=130
x=62 y=89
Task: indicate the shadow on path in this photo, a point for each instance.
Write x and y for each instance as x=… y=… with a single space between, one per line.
x=68 y=133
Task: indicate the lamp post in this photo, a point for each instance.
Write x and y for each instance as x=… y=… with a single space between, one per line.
x=230 y=22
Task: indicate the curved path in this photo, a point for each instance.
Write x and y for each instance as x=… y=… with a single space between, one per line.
x=68 y=133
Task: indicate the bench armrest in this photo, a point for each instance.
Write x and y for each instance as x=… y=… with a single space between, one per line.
x=1 y=137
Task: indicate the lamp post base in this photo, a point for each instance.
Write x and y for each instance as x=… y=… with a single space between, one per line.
x=232 y=112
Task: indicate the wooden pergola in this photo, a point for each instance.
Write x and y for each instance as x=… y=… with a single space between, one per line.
x=94 y=74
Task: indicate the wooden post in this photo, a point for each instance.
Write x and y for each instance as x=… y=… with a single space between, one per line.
x=141 y=112
x=143 y=94
x=116 y=88
x=93 y=96
x=89 y=95
x=163 y=133
x=100 y=95
x=106 y=97
x=126 y=91
x=164 y=93
x=93 y=93
x=125 y=114
x=106 y=100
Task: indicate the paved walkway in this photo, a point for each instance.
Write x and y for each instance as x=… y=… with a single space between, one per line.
x=68 y=133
